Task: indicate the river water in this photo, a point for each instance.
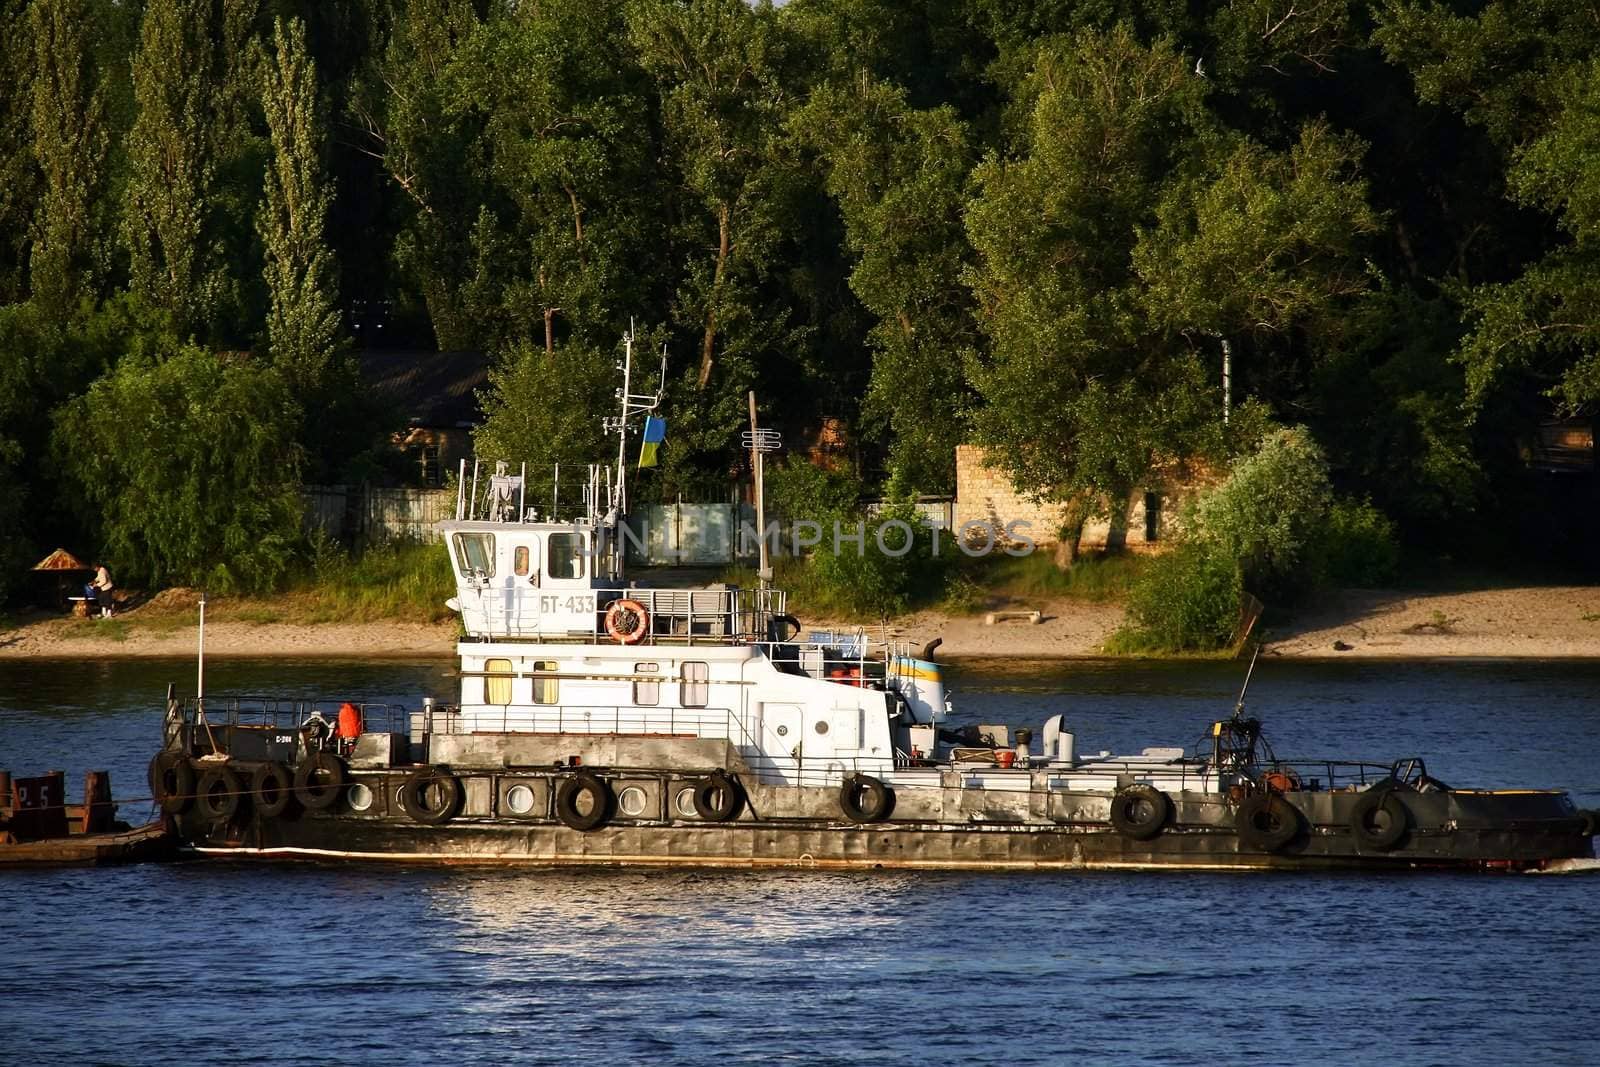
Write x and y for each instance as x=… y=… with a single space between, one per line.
x=203 y=963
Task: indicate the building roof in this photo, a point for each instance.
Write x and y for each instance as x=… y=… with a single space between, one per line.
x=433 y=389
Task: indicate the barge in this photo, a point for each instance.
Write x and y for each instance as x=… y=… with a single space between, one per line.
x=38 y=828
x=598 y=722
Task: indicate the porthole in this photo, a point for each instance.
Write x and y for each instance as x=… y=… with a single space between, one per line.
x=631 y=801
x=519 y=800
x=822 y=726
x=684 y=802
x=783 y=731
x=358 y=796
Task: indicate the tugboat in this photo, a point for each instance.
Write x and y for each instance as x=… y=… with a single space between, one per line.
x=599 y=722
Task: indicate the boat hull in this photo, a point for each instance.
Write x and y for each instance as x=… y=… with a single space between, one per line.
x=783 y=827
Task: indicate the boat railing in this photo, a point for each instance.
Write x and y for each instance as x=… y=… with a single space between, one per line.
x=675 y=616
x=1317 y=775
x=852 y=665
x=507 y=496
x=287 y=714
x=631 y=720
x=717 y=724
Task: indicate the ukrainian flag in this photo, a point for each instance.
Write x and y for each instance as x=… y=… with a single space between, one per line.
x=655 y=432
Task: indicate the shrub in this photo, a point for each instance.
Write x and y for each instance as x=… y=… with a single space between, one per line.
x=869 y=582
x=1357 y=545
x=190 y=465
x=797 y=489
x=1187 y=600
x=1268 y=514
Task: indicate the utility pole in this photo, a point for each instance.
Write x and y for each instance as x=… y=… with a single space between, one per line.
x=761 y=442
x=758 y=464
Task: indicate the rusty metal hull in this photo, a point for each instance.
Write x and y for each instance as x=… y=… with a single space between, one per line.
x=801 y=827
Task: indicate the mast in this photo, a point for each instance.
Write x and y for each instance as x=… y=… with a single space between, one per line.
x=631 y=404
x=621 y=500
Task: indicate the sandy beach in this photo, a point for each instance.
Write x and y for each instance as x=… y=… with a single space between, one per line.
x=1537 y=622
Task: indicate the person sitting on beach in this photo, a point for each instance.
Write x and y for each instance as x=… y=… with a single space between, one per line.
x=101 y=588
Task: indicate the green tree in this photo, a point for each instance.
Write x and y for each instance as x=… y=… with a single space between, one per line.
x=542 y=407
x=1268 y=247
x=899 y=178
x=432 y=157
x=190 y=468
x=1082 y=393
x=1524 y=73
x=19 y=178
x=569 y=233
x=718 y=67
x=172 y=161
x=303 y=332
x=70 y=144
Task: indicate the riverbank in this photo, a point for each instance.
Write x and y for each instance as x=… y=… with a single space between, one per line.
x=1525 y=622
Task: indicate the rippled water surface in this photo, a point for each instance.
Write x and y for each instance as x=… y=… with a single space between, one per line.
x=206 y=963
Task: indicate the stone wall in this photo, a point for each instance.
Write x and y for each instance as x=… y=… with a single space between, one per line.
x=985 y=494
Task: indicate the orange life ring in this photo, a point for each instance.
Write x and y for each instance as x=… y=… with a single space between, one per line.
x=627 y=622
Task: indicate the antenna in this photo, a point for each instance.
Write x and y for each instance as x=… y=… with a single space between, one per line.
x=1238 y=709
x=632 y=404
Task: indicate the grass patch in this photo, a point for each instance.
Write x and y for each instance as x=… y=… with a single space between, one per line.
x=1438 y=623
x=405 y=582
x=260 y=615
x=1096 y=577
x=399 y=581
x=110 y=629
x=168 y=622
x=962 y=586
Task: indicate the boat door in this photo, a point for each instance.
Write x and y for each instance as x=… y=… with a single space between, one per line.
x=523 y=550
x=778 y=728
x=564 y=599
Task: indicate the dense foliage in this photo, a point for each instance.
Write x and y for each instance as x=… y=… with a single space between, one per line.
x=1035 y=224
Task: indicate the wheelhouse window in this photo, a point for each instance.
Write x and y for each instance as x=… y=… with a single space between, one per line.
x=646 y=691
x=519 y=561
x=545 y=684
x=475 y=553
x=566 y=555
x=497 y=681
x=696 y=687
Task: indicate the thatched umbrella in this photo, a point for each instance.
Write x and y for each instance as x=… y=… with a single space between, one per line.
x=63 y=565
x=61 y=560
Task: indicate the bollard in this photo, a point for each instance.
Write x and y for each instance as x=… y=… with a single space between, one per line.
x=99 y=814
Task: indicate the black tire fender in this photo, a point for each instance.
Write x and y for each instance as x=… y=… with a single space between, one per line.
x=318 y=781
x=717 y=797
x=865 y=799
x=1267 y=822
x=271 y=790
x=415 y=791
x=1140 y=812
x=219 y=793
x=172 y=782
x=790 y=623
x=1591 y=823
x=1378 y=819
x=600 y=802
